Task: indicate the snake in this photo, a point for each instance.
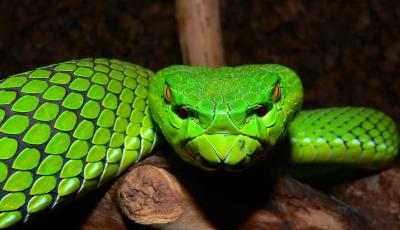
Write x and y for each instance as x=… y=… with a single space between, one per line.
x=68 y=128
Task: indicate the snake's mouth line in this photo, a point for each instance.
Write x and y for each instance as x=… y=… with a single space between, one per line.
x=261 y=141
x=204 y=164
x=223 y=151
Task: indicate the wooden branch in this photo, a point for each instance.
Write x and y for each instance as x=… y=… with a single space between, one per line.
x=297 y=206
x=163 y=195
x=200 y=32
x=153 y=196
x=148 y=195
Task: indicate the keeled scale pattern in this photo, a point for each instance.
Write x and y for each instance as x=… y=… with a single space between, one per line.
x=224 y=100
x=357 y=136
x=67 y=128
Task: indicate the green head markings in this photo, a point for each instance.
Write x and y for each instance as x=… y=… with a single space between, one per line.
x=224 y=117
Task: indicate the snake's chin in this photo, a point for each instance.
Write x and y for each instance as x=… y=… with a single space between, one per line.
x=227 y=152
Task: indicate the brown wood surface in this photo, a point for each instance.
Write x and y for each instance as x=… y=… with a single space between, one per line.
x=161 y=194
x=200 y=32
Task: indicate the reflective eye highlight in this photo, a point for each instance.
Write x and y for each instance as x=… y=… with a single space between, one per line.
x=167 y=94
x=276 y=94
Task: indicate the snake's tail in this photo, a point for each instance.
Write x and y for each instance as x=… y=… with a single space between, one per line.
x=67 y=128
x=360 y=137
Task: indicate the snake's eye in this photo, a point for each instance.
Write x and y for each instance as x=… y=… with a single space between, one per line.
x=276 y=93
x=167 y=94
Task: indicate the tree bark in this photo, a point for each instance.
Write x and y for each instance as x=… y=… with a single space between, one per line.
x=162 y=194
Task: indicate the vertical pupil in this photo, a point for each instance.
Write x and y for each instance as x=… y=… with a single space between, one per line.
x=167 y=94
x=277 y=92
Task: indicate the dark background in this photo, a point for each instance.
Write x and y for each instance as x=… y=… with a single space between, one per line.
x=347 y=52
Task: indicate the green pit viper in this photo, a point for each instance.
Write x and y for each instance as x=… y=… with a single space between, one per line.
x=66 y=129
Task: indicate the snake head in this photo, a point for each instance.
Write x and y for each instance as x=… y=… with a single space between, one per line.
x=224 y=118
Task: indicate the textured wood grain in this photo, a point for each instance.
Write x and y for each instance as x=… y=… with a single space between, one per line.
x=199 y=32
x=160 y=193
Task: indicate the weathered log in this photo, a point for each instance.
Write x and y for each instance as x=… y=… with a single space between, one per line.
x=148 y=195
x=294 y=205
x=177 y=197
x=152 y=196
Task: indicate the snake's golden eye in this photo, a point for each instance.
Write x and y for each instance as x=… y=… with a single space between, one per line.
x=276 y=94
x=167 y=94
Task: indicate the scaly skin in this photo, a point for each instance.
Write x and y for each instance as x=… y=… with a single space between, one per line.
x=67 y=128
x=223 y=127
x=360 y=137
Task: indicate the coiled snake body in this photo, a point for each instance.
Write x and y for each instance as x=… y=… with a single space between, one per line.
x=67 y=128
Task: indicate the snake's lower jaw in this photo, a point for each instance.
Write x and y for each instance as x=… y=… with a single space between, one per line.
x=223 y=151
